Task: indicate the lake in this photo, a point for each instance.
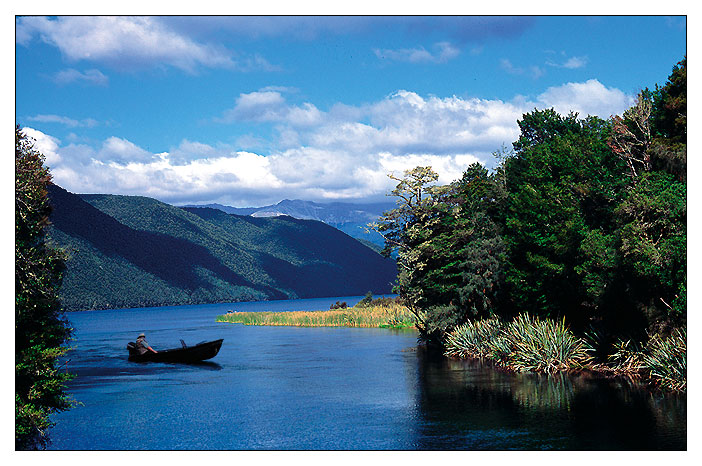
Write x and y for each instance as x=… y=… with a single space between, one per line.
x=291 y=388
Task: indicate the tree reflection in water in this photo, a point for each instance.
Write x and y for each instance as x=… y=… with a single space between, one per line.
x=468 y=404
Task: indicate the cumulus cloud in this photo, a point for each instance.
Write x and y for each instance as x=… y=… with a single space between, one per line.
x=120 y=41
x=270 y=106
x=588 y=98
x=344 y=152
x=47 y=145
x=443 y=52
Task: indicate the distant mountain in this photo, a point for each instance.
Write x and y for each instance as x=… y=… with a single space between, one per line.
x=128 y=251
x=351 y=218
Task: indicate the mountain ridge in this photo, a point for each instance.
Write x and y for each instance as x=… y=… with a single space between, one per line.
x=351 y=218
x=134 y=251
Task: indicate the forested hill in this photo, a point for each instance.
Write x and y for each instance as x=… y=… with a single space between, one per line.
x=127 y=251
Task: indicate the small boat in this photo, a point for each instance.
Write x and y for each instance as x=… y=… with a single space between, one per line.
x=199 y=352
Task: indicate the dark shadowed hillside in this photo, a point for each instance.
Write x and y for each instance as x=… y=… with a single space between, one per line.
x=128 y=251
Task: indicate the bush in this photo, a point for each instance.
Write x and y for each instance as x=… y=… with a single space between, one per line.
x=525 y=344
x=472 y=339
x=543 y=345
x=666 y=360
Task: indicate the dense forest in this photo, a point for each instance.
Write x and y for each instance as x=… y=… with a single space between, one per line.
x=131 y=251
x=583 y=220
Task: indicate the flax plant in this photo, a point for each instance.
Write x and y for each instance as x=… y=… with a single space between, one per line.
x=525 y=344
x=544 y=345
x=666 y=360
x=471 y=340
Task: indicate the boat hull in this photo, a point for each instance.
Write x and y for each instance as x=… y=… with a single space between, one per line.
x=188 y=354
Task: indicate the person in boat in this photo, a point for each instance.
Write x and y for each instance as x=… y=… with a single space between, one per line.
x=143 y=345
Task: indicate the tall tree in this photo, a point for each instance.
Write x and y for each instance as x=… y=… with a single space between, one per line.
x=448 y=248
x=652 y=216
x=40 y=330
x=563 y=185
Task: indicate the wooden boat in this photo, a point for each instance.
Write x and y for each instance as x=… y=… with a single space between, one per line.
x=187 y=354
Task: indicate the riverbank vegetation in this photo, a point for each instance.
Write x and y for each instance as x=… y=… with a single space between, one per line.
x=41 y=332
x=580 y=230
x=379 y=313
x=531 y=344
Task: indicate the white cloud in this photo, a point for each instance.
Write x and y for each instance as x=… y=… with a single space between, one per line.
x=47 y=145
x=588 y=98
x=443 y=52
x=95 y=77
x=63 y=120
x=575 y=62
x=570 y=63
x=270 y=106
x=343 y=153
x=121 y=41
x=122 y=151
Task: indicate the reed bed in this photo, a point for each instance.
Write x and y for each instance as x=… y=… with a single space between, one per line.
x=385 y=316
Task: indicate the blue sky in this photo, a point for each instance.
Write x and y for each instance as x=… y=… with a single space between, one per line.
x=250 y=110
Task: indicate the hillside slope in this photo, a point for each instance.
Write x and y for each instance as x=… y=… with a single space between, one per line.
x=128 y=251
x=351 y=218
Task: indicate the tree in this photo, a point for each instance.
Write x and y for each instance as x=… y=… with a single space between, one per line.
x=652 y=216
x=448 y=248
x=562 y=185
x=40 y=330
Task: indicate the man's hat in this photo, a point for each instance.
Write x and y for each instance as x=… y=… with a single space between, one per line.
x=142 y=335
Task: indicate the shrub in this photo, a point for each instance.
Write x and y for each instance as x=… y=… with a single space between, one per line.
x=543 y=345
x=666 y=360
x=472 y=339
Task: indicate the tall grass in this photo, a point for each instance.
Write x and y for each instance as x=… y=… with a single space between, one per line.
x=531 y=344
x=543 y=345
x=471 y=340
x=665 y=360
x=525 y=344
x=389 y=315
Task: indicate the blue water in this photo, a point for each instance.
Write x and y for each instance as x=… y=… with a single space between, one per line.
x=289 y=388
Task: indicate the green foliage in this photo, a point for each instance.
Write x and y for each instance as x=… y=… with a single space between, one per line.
x=128 y=251
x=583 y=221
x=562 y=191
x=366 y=301
x=472 y=339
x=525 y=344
x=653 y=219
x=40 y=330
x=669 y=120
x=666 y=360
x=542 y=345
x=448 y=248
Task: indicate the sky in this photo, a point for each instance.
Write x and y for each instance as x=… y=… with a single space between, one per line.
x=247 y=111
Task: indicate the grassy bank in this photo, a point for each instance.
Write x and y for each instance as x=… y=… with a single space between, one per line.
x=542 y=345
x=387 y=315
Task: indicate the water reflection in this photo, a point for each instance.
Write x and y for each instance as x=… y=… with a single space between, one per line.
x=481 y=407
